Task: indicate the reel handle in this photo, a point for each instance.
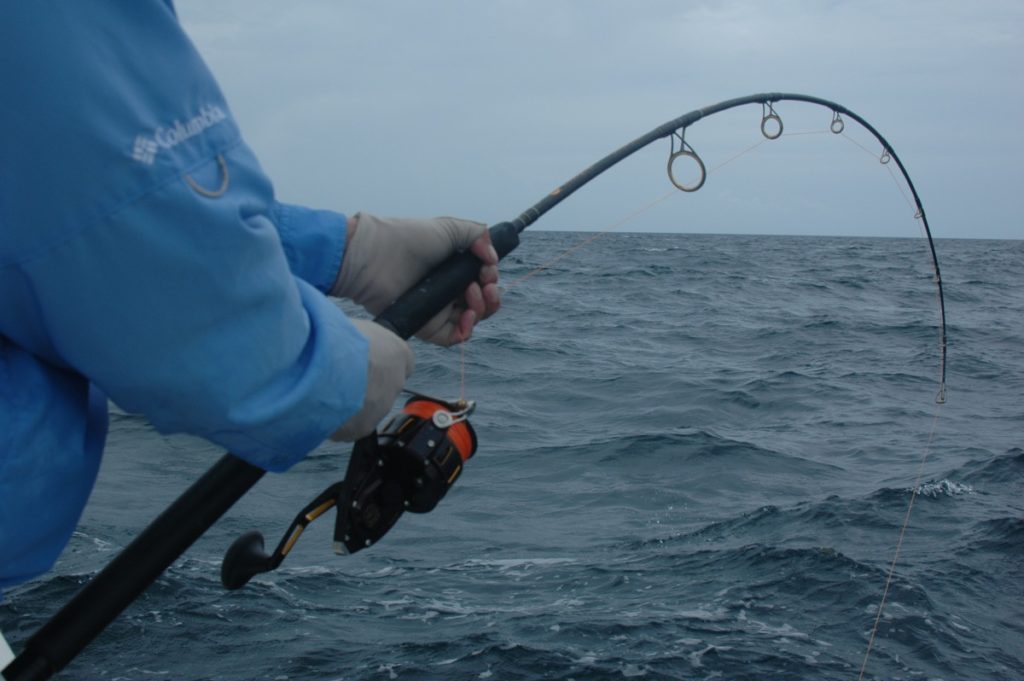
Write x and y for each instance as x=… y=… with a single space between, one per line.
x=244 y=559
x=445 y=283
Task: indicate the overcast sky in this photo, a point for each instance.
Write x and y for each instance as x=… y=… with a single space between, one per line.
x=478 y=108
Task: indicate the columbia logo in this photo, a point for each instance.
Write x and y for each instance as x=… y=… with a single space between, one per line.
x=146 y=147
x=145 y=150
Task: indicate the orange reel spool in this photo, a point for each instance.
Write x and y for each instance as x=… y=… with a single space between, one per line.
x=427 y=445
x=461 y=434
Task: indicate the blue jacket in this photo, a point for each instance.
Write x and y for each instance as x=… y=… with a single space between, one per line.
x=144 y=258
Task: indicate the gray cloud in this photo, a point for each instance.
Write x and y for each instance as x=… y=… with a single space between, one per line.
x=480 y=108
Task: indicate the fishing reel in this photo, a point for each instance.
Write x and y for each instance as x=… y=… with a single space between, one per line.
x=409 y=465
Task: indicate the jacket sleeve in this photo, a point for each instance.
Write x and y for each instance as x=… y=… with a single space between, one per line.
x=184 y=307
x=122 y=259
x=313 y=242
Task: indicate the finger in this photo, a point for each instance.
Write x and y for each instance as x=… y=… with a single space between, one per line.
x=488 y=275
x=483 y=249
x=464 y=328
x=475 y=300
x=441 y=329
x=492 y=300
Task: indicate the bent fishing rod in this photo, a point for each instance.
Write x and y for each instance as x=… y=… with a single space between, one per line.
x=414 y=459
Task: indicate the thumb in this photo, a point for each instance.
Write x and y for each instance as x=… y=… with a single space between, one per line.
x=461 y=233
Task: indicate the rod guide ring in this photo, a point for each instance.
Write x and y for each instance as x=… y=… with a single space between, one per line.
x=768 y=114
x=837 y=123
x=688 y=153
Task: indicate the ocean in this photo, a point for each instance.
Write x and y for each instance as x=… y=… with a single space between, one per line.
x=696 y=455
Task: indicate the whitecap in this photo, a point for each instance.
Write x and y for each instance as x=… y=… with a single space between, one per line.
x=785 y=631
x=944 y=488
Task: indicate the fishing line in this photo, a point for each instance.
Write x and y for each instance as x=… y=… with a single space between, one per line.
x=589 y=240
x=432 y=435
x=632 y=216
x=462 y=370
x=640 y=211
x=771 y=129
x=837 y=127
x=883 y=159
x=899 y=543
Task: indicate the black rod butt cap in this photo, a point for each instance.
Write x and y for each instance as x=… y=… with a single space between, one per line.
x=244 y=559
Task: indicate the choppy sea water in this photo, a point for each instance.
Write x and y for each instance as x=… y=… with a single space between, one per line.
x=696 y=456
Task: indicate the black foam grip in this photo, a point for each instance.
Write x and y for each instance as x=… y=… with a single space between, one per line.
x=445 y=283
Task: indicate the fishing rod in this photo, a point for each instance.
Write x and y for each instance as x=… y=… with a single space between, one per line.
x=423 y=294
x=414 y=438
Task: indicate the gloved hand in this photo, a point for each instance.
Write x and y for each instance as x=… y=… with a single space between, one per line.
x=390 y=363
x=385 y=257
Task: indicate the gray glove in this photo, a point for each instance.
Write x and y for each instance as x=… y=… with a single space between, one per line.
x=390 y=362
x=385 y=257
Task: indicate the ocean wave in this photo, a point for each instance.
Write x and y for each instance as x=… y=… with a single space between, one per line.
x=681 y=445
x=879 y=513
x=999 y=468
x=656 y=249
x=696 y=456
x=1003 y=535
x=944 y=488
x=509 y=564
x=939 y=491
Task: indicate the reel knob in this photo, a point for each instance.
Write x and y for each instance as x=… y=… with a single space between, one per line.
x=244 y=559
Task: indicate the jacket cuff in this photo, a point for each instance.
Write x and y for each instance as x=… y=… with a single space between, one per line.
x=313 y=242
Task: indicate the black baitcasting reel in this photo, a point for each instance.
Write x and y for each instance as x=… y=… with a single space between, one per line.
x=408 y=466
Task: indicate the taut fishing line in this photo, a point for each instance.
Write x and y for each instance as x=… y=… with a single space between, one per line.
x=412 y=461
x=772 y=128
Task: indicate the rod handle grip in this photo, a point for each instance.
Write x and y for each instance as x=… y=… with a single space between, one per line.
x=443 y=284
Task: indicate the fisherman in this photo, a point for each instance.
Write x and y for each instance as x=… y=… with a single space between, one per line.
x=144 y=258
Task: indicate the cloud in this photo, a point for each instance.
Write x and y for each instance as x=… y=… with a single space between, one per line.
x=480 y=108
